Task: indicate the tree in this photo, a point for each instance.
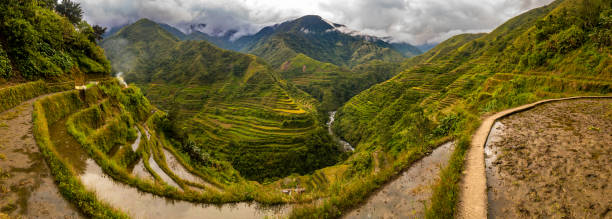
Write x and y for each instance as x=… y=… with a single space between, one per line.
x=50 y=4
x=98 y=31
x=70 y=10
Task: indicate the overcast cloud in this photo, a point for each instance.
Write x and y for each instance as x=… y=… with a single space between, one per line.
x=413 y=21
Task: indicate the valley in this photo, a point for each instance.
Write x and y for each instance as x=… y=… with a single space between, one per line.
x=304 y=118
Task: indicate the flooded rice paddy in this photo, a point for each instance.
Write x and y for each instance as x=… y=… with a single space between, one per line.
x=406 y=196
x=552 y=161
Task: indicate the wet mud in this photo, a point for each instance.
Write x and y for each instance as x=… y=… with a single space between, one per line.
x=552 y=161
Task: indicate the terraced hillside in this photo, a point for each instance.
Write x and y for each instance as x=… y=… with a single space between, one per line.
x=225 y=106
x=555 y=51
x=324 y=59
x=333 y=85
x=107 y=130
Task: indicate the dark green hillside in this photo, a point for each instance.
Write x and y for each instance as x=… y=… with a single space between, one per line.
x=406 y=49
x=225 y=106
x=559 y=50
x=36 y=43
x=333 y=85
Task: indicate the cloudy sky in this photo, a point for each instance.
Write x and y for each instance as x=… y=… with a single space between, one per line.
x=414 y=21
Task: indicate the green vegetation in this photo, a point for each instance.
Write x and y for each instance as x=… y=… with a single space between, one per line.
x=231 y=118
x=331 y=85
x=553 y=51
x=36 y=43
x=226 y=109
x=70 y=10
x=14 y=95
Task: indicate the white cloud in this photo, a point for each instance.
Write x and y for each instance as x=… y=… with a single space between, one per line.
x=414 y=21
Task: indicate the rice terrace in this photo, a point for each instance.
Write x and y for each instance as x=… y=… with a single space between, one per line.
x=305 y=109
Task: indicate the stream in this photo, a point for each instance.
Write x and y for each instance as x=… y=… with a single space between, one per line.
x=139 y=204
x=345 y=145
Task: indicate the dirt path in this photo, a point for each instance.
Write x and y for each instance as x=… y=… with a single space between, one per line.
x=473 y=195
x=26 y=185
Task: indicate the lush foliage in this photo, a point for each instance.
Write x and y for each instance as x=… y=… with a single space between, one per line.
x=14 y=95
x=43 y=44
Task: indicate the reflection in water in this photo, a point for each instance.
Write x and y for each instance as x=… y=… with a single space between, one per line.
x=345 y=145
x=141 y=171
x=145 y=205
x=496 y=202
x=177 y=168
x=67 y=146
x=406 y=196
x=161 y=172
x=137 y=142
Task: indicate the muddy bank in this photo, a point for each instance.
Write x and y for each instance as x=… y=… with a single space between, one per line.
x=26 y=185
x=407 y=195
x=552 y=161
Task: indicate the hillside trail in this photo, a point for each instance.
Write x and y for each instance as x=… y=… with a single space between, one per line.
x=473 y=195
x=27 y=188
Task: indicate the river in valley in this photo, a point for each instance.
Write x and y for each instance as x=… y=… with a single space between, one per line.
x=345 y=145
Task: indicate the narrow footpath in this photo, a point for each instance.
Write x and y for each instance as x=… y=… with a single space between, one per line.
x=473 y=196
x=27 y=188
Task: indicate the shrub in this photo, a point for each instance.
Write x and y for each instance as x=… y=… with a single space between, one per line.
x=5 y=65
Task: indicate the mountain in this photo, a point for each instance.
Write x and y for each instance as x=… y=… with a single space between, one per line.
x=406 y=49
x=321 y=40
x=558 y=50
x=312 y=36
x=228 y=105
x=329 y=83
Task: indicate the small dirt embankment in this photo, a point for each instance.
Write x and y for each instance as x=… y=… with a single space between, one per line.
x=552 y=161
x=26 y=185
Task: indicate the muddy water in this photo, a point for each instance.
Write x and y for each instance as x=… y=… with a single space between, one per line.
x=406 y=196
x=141 y=171
x=144 y=205
x=493 y=180
x=158 y=170
x=182 y=172
x=26 y=185
x=345 y=145
x=137 y=142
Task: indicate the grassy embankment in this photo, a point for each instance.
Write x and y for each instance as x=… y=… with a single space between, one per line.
x=47 y=111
